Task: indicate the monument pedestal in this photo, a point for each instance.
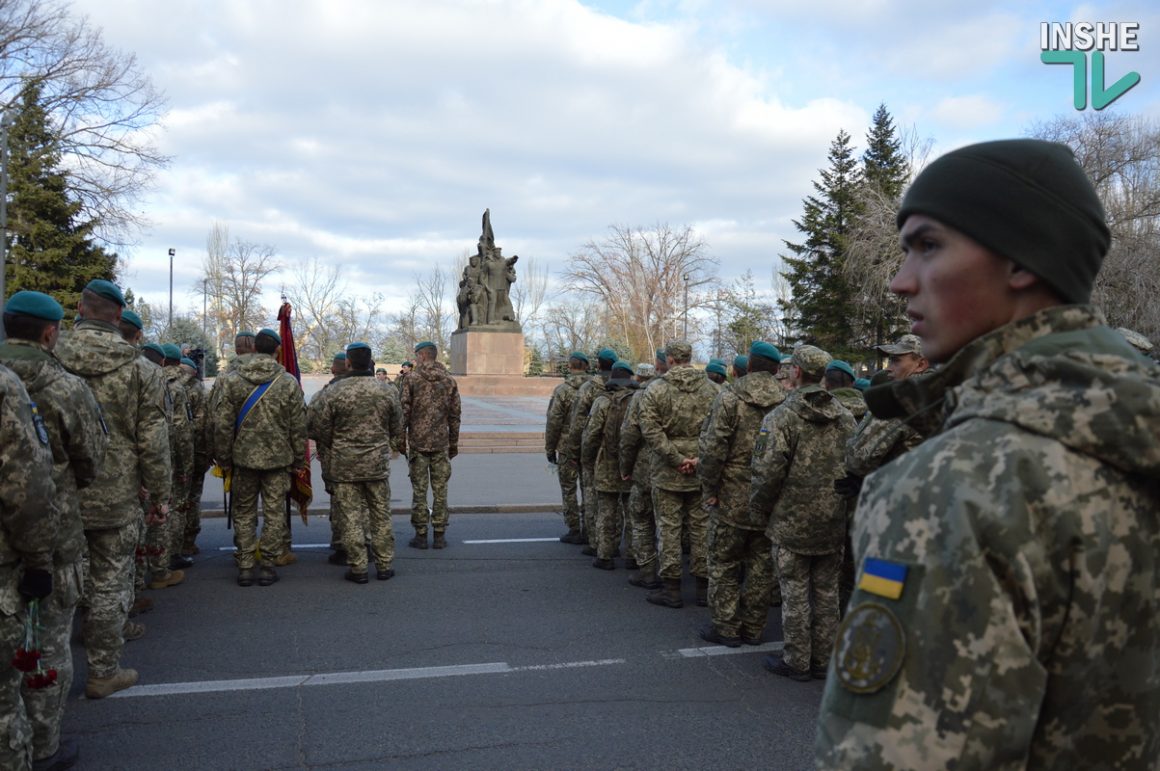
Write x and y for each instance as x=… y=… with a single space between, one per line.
x=484 y=352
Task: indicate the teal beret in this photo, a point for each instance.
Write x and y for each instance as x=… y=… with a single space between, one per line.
x=579 y=356
x=106 y=289
x=358 y=347
x=408 y=364
x=842 y=366
x=424 y=344
x=607 y=354
x=660 y=352
x=717 y=366
x=244 y=333
x=765 y=350
x=171 y=351
x=741 y=362
x=189 y=362
x=624 y=365
x=862 y=383
x=132 y=318
x=340 y=356
x=38 y=305
x=271 y=334
x=157 y=349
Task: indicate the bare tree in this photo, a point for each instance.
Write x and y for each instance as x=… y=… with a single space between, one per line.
x=436 y=315
x=234 y=271
x=529 y=291
x=316 y=293
x=648 y=280
x=575 y=325
x=101 y=104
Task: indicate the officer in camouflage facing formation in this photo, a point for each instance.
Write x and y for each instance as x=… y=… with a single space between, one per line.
x=559 y=414
x=356 y=423
x=672 y=411
x=28 y=523
x=1005 y=612
x=131 y=393
x=739 y=549
x=636 y=459
x=78 y=441
x=581 y=406
x=259 y=429
x=431 y=416
x=797 y=457
x=600 y=447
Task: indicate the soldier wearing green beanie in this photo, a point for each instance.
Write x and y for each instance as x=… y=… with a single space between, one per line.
x=1007 y=565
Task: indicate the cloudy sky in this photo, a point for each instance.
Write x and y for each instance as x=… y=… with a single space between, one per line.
x=373 y=133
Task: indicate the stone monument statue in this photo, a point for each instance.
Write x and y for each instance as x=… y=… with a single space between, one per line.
x=484 y=296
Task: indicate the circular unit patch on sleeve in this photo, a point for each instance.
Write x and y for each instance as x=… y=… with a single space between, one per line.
x=870 y=648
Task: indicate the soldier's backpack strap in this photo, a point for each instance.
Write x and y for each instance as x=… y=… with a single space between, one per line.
x=251 y=400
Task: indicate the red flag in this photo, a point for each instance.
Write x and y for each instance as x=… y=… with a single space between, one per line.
x=301 y=490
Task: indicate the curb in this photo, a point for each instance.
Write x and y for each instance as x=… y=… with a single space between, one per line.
x=480 y=508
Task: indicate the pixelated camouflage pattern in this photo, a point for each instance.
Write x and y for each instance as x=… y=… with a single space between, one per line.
x=586 y=394
x=45 y=706
x=76 y=434
x=877 y=441
x=356 y=423
x=738 y=555
x=636 y=461
x=798 y=455
x=672 y=411
x=130 y=391
x=431 y=409
x=108 y=594
x=809 y=606
x=273 y=433
x=365 y=510
x=247 y=485
x=678 y=511
x=600 y=447
x=610 y=524
x=429 y=471
x=851 y=399
x=16 y=749
x=560 y=412
x=1031 y=528
x=725 y=445
x=199 y=402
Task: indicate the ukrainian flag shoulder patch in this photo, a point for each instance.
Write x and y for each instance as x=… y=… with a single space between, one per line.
x=883 y=578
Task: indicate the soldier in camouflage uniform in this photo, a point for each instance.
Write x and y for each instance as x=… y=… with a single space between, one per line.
x=198 y=400
x=600 y=447
x=839 y=381
x=28 y=522
x=672 y=411
x=167 y=563
x=131 y=394
x=739 y=549
x=259 y=429
x=796 y=459
x=153 y=543
x=431 y=415
x=1005 y=615
x=78 y=442
x=741 y=366
x=636 y=463
x=716 y=372
x=581 y=406
x=559 y=413
x=338 y=555
x=356 y=423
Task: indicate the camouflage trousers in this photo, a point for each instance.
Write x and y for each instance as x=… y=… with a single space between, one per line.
x=193 y=507
x=108 y=595
x=15 y=730
x=809 y=610
x=677 y=510
x=140 y=558
x=639 y=513
x=590 y=508
x=610 y=525
x=45 y=706
x=365 y=507
x=566 y=472
x=337 y=541
x=741 y=578
x=172 y=531
x=429 y=469
x=274 y=486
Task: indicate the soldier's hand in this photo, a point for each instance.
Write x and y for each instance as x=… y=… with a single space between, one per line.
x=552 y=457
x=452 y=452
x=35 y=584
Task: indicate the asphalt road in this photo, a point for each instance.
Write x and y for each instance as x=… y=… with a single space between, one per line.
x=484 y=655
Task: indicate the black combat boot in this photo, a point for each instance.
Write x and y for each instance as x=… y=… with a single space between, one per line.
x=440 y=541
x=267 y=575
x=419 y=541
x=668 y=595
x=702 y=591
x=646 y=577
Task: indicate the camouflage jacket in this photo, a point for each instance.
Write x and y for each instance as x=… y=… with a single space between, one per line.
x=356 y=423
x=600 y=447
x=797 y=457
x=181 y=427
x=672 y=412
x=28 y=518
x=880 y=440
x=198 y=402
x=725 y=447
x=636 y=459
x=76 y=433
x=131 y=393
x=431 y=408
x=560 y=412
x=578 y=417
x=852 y=400
x=1023 y=543
x=272 y=434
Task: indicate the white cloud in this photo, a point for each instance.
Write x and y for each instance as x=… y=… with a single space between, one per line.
x=967 y=112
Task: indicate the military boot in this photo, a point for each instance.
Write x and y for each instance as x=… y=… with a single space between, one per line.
x=419 y=541
x=132 y=631
x=140 y=605
x=646 y=577
x=66 y=756
x=573 y=536
x=245 y=576
x=603 y=564
x=440 y=541
x=267 y=575
x=100 y=687
x=668 y=595
x=168 y=579
x=286 y=558
x=338 y=557
x=702 y=591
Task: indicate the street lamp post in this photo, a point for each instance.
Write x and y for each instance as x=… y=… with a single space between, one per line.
x=685 y=278
x=172 y=252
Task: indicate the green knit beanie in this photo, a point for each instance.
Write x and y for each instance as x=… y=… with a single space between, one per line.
x=1025 y=199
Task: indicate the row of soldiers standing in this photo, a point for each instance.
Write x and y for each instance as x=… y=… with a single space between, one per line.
x=740 y=476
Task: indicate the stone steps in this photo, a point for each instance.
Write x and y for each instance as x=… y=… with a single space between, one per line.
x=501 y=442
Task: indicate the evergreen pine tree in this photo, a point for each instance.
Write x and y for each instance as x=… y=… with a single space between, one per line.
x=821 y=294
x=883 y=164
x=49 y=248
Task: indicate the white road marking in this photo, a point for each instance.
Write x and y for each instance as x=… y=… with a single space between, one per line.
x=292 y=546
x=515 y=540
x=721 y=650
x=569 y=665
